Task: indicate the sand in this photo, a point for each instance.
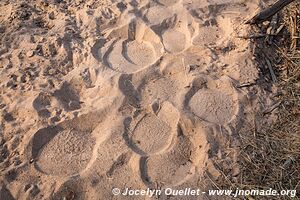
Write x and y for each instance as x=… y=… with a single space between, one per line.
x=128 y=94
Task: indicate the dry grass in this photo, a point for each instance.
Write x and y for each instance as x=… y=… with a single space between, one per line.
x=270 y=157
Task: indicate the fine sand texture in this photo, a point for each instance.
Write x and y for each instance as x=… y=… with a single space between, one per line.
x=138 y=94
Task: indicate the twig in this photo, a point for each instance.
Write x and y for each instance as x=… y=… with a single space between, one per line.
x=271 y=29
x=269 y=12
x=246 y=85
x=271 y=108
x=261 y=35
x=293 y=25
x=286 y=56
x=253 y=36
x=273 y=76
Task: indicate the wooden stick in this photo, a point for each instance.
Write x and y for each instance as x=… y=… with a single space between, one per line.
x=273 y=76
x=269 y=12
x=258 y=35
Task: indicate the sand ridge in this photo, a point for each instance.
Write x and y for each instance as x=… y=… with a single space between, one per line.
x=121 y=94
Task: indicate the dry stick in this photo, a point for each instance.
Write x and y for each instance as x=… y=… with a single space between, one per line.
x=273 y=76
x=269 y=12
x=271 y=108
x=258 y=35
x=293 y=25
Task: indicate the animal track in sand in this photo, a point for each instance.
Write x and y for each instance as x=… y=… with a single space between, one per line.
x=67 y=148
x=215 y=26
x=111 y=153
x=165 y=85
x=142 y=57
x=67 y=153
x=170 y=168
x=176 y=38
x=153 y=133
x=213 y=106
x=217 y=103
x=157 y=14
x=140 y=53
x=163 y=88
x=137 y=48
x=178 y=163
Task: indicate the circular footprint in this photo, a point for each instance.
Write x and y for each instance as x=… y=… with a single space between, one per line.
x=163 y=88
x=137 y=47
x=67 y=153
x=140 y=53
x=68 y=148
x=216 y=104
x=170 y=168
x=168 y=85
x=151 y=134
x=157 y=14
x=212 y=106
x=174 y=40
x=154 y=133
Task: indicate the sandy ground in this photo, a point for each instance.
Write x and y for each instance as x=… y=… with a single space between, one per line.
x=129 y=94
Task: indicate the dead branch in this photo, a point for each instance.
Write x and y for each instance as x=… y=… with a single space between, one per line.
x=269 y=12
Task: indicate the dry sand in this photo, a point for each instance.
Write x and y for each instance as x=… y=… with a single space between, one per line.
x=138 y=94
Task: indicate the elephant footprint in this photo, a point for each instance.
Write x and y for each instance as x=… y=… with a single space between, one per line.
x=137 y=47
x=216 y=103
x=153 y=133
x=67 y=148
